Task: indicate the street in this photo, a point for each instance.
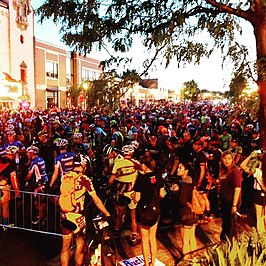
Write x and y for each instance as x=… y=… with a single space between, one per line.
x=33 y=249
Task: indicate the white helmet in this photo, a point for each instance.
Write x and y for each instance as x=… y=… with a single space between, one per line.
x=61 y=142
x=128 y=149
x=33 y=149
x=77 y=135
x=134 y=144
x=81 y=159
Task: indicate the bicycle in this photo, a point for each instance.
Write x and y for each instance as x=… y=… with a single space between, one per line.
x=100 y=247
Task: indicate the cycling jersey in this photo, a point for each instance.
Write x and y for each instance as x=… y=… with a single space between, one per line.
x=37 y=167
x=65 y=162
x=15 y=143
x=126 y=170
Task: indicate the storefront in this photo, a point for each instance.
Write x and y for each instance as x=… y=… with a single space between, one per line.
x=10 y=91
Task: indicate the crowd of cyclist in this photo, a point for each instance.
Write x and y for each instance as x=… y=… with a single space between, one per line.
x=47 y=142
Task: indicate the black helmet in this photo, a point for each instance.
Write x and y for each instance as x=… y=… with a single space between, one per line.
x=107 y=149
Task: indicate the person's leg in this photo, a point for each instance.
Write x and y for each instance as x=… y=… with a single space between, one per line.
x=133 y=222
x=79 y=254
x=5 y=212
x=207 y=205
x=120 y=216
x=64 y=255
x=226 y=221
x=153 y=243
x=260 y=219
x=144 y=231
x=185 y=234
x=192 y=238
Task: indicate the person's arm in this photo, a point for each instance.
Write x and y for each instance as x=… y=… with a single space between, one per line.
x=174 y=168
x=202 y=173
x=162 y=193
x=235 y=199
x=99 y=204
x=244 y=164
x=55 y=175
x=112 y=179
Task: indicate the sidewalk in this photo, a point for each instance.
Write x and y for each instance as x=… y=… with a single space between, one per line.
x=35 y=249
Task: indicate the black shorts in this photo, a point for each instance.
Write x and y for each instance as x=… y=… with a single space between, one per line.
x=259 y=197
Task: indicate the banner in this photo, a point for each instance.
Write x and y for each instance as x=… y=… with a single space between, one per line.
x=138 y=261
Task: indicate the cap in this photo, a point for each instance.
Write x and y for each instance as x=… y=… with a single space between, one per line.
x=198 y=142
x=234 y=140
x=173 y=140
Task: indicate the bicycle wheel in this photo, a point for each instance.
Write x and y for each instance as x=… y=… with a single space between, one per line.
x=109 y=252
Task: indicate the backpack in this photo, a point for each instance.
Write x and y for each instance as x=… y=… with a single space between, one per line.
x=197 y=203
x=67 y=200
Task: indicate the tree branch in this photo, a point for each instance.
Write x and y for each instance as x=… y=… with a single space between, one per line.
x=228 y=9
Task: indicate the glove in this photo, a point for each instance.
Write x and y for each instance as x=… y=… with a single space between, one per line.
x=109 y=220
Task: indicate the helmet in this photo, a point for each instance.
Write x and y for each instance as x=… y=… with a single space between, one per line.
x=43 y=133
x=134 y=144
x=107 y=149
x=61 y=142
x=9 y=127
x=113 y=122
x=81 y=159
x=33 y=149
x=11 y=132
x=128 y=149
x=77 y=135
x=12 y=149
x=71 y=119
x=28 y=120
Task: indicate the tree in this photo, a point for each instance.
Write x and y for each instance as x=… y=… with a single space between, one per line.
x=190 y=91
x=110 y=87
x=167 y=28
x=74 y=92
x=237 y=85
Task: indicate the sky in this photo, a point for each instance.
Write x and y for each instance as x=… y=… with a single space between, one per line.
x=209 y=74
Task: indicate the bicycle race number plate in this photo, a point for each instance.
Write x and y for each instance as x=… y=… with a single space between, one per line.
x=138 y=261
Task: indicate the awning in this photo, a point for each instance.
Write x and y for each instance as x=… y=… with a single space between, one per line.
x=52 y=89
x=6 y=99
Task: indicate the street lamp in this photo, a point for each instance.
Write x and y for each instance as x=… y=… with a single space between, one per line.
x=85 y=86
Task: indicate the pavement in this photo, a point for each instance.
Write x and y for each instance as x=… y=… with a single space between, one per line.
x=34 y=249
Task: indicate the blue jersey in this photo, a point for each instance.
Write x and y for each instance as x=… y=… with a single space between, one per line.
x=37 y=167
x=15 y=143
x=65 y=162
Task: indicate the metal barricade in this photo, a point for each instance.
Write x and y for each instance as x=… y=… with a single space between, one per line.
x=30 y=211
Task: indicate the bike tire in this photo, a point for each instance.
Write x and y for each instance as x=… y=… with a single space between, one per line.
x=109 y=250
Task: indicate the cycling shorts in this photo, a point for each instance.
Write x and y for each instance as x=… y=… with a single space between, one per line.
x=73 y=222
x=131 y=205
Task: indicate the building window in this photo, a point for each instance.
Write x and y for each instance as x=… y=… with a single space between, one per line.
x=89 y=74
x=51 y=69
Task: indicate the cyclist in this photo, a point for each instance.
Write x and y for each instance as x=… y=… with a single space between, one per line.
x=73 y=222
x=125 y=172
x=77 y=146
x=64 y=162
x=8 y=179
x=112 y=156
x=39 y=179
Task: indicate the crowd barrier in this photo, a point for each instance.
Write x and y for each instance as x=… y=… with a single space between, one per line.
x=19 y=210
